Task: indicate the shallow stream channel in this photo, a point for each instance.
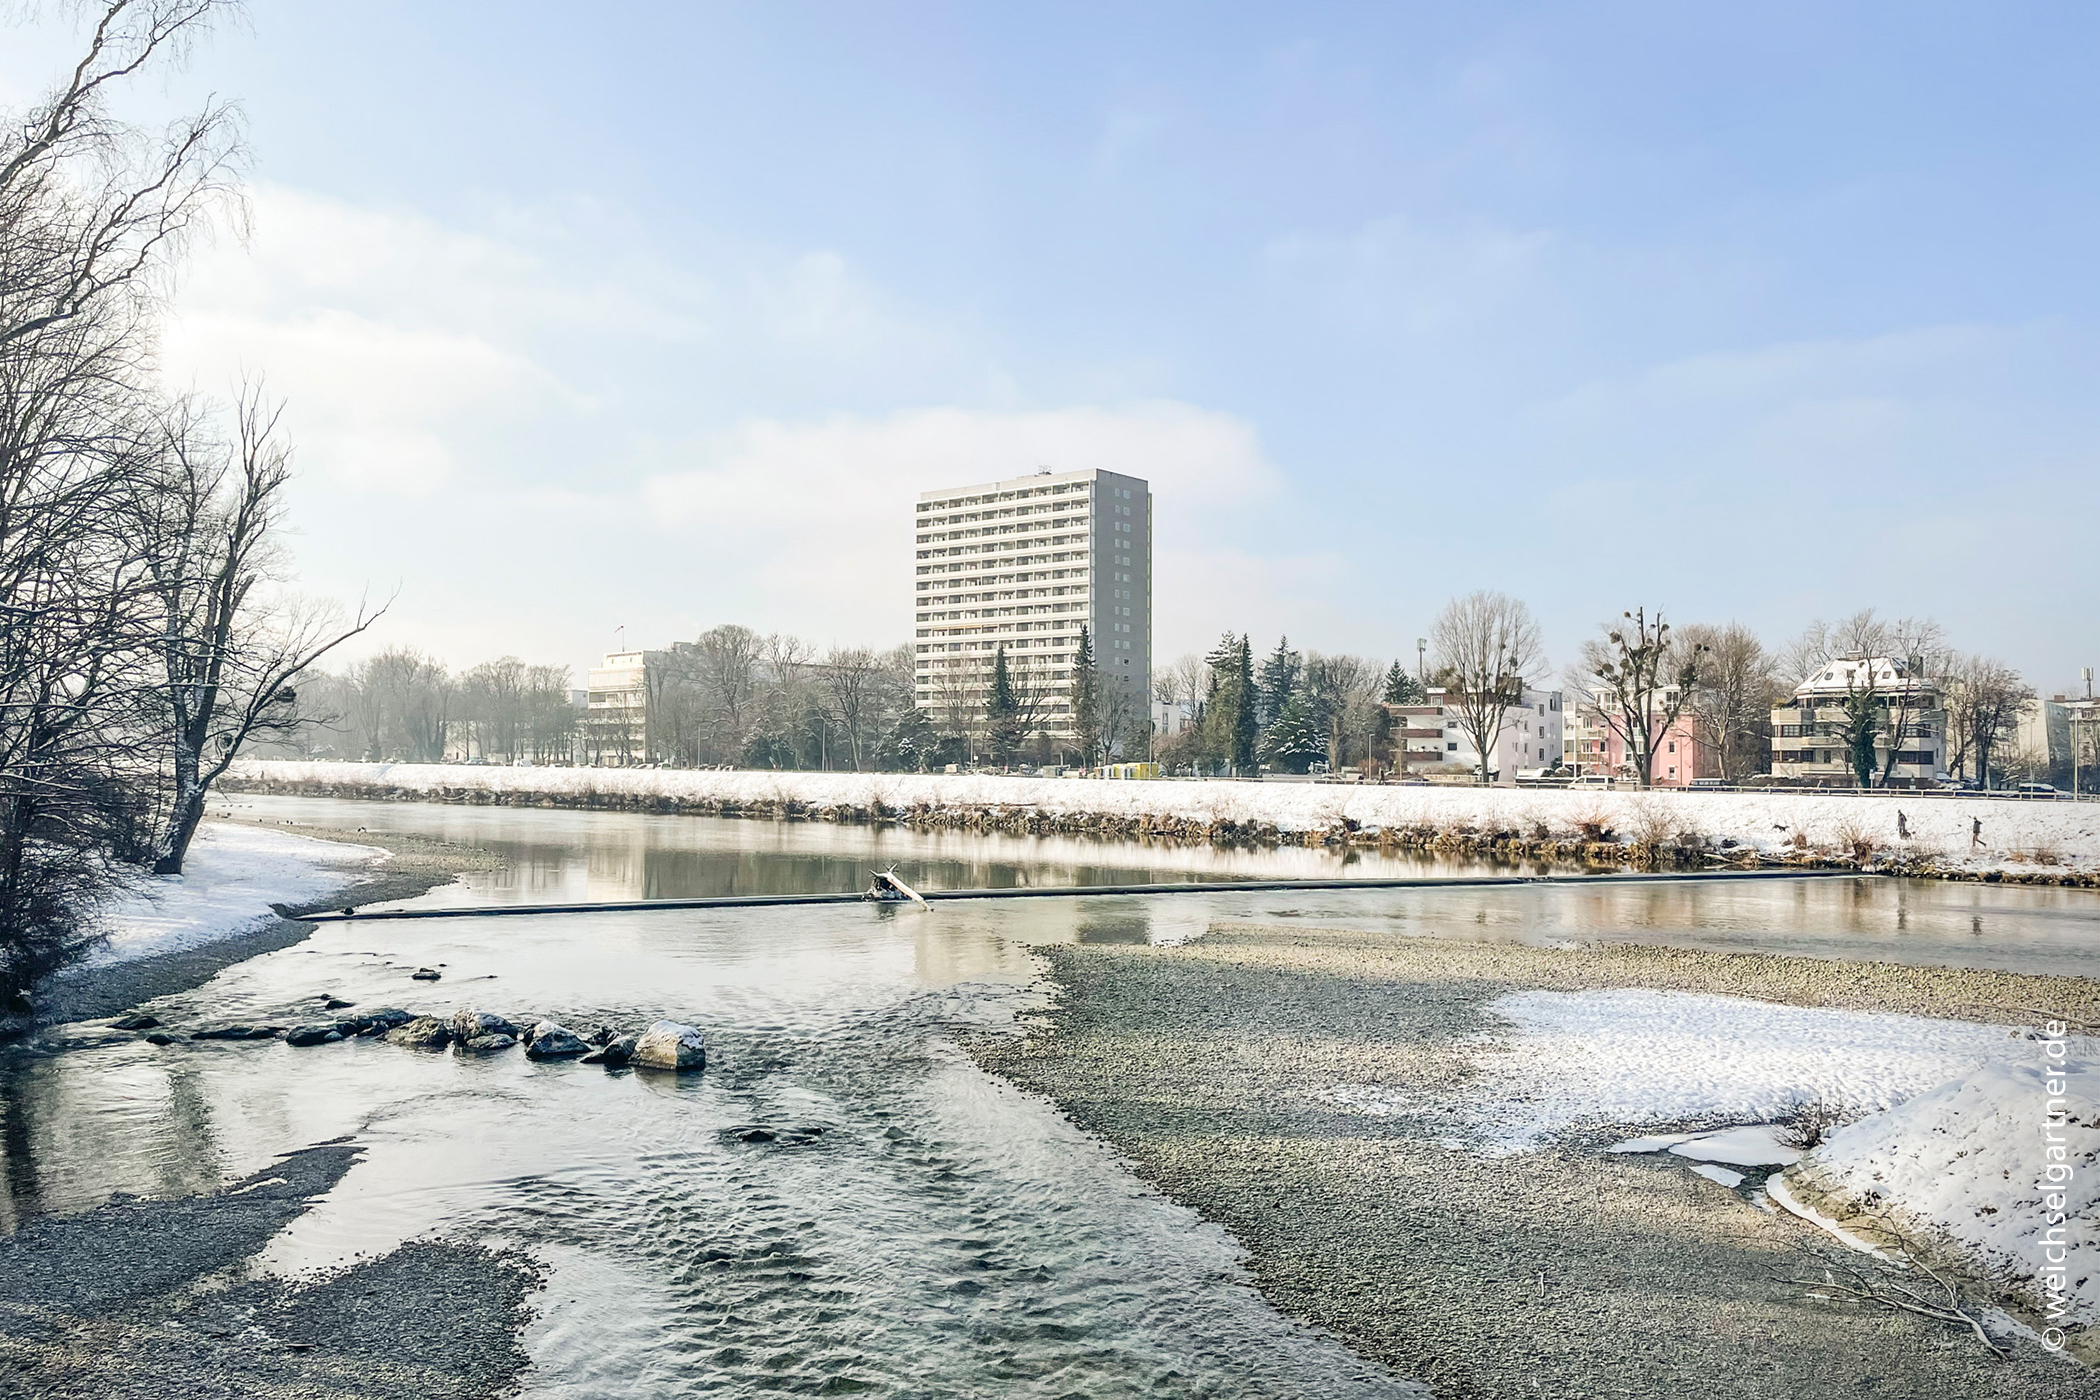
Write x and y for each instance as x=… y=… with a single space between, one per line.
x=842 y=1200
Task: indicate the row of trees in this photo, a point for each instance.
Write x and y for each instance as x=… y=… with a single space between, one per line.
x=731 y=696
x=1643 y=681
x=145 y=637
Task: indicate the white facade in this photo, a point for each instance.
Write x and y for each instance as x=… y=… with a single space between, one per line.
x=1438 y=745
x=1807 y=727
x=1023 y=564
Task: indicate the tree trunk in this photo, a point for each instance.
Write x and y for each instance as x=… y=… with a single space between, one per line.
x=183 y=819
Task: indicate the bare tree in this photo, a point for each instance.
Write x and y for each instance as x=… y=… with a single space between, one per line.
x=1339 y=688
x=1731 y=706
x=406 y=705
x=729 y=658
x=228 y=657
x=852 y=684
x=1638 y=680
x=1985 y=699
x=493 y=702
x=1486 y=645
x=90 y=207
x=91 y=211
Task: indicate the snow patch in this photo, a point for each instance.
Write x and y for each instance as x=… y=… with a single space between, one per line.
x=1630 y=1056
x=1966 y=1160
x=232 y=876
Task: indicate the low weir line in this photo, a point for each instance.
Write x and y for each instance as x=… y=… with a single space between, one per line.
x=761 y=901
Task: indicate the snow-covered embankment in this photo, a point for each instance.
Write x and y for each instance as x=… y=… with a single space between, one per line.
x=1965 y=834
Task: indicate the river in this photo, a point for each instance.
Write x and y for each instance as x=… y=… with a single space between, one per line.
x=842 y=1200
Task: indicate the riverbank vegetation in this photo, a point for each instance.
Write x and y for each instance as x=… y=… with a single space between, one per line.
x=145 y=635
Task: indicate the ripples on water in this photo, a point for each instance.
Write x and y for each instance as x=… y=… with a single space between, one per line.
x=842 y=1201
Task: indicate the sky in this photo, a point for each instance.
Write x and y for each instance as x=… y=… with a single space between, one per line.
x=649 y=317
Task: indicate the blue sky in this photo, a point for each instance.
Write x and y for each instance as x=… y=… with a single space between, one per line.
x=661 y=316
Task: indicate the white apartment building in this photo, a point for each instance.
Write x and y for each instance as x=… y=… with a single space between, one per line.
x=1024 y=564
x=1437 y=744
x=1808 y=726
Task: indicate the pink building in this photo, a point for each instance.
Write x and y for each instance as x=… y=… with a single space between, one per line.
x=1593 y=745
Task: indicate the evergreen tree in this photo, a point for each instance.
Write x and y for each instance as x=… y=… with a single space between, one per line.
x=1295 y=739
x=1230 y=728
x=910 y=745
x=1086 y=700
x=1002 y=712
x=1279 y=677
x=1403 y=689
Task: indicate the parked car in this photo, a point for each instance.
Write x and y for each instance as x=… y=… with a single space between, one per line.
x=1706 y=784
x=1595 y=780
x=2037 y=790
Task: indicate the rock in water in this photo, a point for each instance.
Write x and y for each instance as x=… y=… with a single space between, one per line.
x=669 y=1045
x=423 y=1033
x=136 y=1021
x=551 y=1041
x=613 y=1054
x=381 y=1021
x=160 y=1038
x=236 y=1033
x=323 y=1033
x=471 y=1025
x=336 y=1004
x=487 y=1044
x=425 y=974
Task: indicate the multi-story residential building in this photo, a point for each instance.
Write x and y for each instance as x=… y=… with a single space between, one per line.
x=1436 y=743
x=1808 y=728
x=616 y=709
x=1594 y=744
x=1022 y=565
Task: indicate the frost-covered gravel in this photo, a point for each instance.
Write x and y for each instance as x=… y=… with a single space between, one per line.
x=1566 y=1271
x=2016 y=835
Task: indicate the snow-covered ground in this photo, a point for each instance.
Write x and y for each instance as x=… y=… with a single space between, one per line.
x=2015 y=835
x=1966 y=1160
x=1949 y=1138
x=1630 y=1057
x=232 y=876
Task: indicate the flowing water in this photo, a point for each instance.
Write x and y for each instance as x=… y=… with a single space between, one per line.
x=842 y=1198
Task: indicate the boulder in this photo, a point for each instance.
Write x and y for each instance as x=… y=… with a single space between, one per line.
x=160 y=1038
x=613 y=1054
x=136 y=1021
x=552 y=1041
x=322 y=1033
x=336 y=1004
x=487 y=1044
x=381 y=1021
x=423 y=1033
x=425 y=974
x=669 y=1045
x=471 y=1025
x=236 y=1032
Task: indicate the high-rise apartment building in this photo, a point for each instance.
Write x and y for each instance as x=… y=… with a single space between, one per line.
x=1023 y=565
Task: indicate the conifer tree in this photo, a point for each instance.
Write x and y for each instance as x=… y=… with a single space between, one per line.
x=1086 y=700
x=1002 y=712
x=1279 y=677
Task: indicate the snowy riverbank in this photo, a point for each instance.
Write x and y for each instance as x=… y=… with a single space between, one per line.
x=2015 y=838
x=231 y=878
